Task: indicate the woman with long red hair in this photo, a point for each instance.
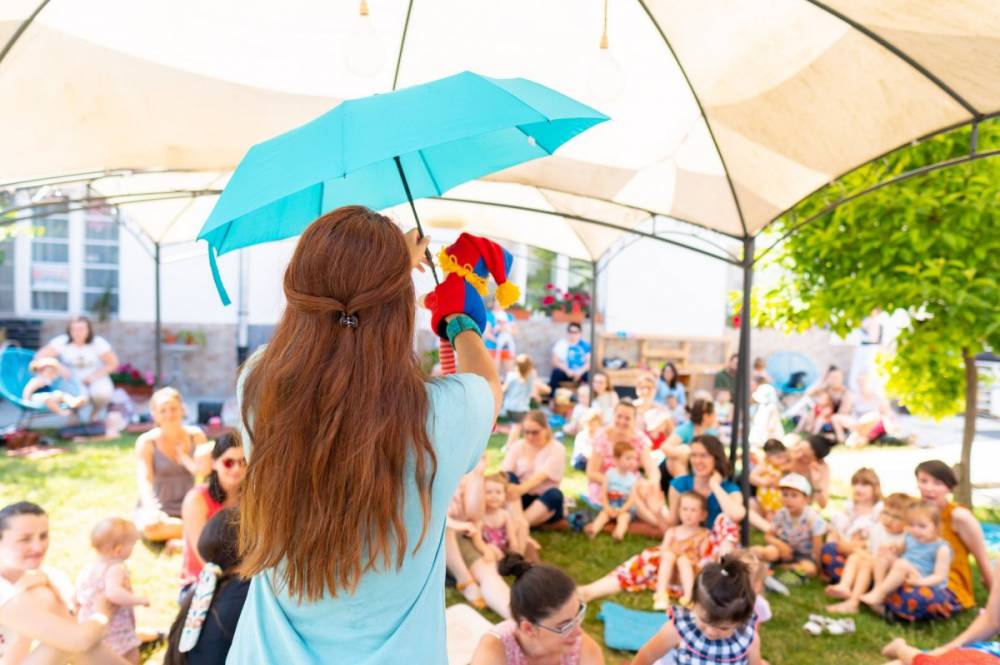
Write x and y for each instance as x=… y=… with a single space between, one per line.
x=354 y=455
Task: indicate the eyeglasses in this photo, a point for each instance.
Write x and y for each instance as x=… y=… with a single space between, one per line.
x=229 y=462
x=569 y=625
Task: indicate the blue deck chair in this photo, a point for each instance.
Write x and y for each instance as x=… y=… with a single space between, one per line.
x=14 y=376
x=791 y=372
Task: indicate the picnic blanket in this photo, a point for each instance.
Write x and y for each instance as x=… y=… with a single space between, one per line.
x=627 y=629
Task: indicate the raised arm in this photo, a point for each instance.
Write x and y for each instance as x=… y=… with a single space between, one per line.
x=730 y=502
x=194 y=515
x=473 y=358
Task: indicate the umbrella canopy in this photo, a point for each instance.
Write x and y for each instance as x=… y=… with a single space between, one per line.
x=725 y=112
x=381 y=150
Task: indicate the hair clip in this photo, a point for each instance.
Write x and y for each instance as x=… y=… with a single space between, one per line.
x=725 y=572
x=348 y=320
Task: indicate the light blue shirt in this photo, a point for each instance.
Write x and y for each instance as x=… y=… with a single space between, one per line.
x=394 y=616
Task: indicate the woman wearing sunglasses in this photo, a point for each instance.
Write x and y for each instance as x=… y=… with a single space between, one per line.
x=222 y=490
x=545 y=628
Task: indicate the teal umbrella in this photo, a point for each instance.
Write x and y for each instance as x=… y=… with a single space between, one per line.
x=382 y=150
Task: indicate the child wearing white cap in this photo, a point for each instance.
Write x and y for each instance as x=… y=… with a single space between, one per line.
x=797 y=530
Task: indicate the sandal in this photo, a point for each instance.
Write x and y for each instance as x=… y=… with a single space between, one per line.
x=476 y=600
x=815 y=625
x=840 y=626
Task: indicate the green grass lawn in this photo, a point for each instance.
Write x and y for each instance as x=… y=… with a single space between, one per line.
x=92 y=481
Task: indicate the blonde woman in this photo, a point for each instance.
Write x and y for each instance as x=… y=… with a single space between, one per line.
x=167 y=460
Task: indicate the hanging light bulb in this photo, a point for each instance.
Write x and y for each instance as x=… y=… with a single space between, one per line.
x=605 y=77
x=363 y=52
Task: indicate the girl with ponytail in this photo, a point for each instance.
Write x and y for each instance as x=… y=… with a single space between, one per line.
x=222 y=490
x=545 y=627
x=721 y=627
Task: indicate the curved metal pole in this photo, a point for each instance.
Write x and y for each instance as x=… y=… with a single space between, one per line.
x=589 y=220
x=701 y=109
x=402 y=44
x=20 y=30
x=899 y=53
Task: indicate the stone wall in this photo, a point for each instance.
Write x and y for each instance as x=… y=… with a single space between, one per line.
x=207 y=371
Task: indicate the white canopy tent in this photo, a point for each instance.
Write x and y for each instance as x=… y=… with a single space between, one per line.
x=724 y=113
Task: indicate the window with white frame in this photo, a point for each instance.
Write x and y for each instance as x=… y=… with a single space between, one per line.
x=7 y=276
x=100 y=263
x=50 y=270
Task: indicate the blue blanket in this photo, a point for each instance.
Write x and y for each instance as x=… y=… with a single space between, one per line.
x=627 y=629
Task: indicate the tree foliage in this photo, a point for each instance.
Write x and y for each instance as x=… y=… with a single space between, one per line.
x=928 y=245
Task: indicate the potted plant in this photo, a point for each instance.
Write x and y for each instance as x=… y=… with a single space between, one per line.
x=519 y=312
x=572 y=306
x=135 y=382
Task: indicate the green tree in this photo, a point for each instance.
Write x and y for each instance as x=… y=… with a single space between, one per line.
x=928 y=245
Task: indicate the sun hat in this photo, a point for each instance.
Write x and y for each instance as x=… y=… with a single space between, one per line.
x=796 y=481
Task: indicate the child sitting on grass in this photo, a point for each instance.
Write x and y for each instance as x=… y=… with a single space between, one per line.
x=682 y=550
x=721 y=627
x=797 y=530
x=883 y=541
x=497 y=534
x=519 y=387
x=39 y=388
x=113 y=539
x=765 y=477
x=925 y=559
x=618 y=492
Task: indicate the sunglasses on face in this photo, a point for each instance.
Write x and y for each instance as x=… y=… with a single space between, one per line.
x=229 y=462
x=568 y=625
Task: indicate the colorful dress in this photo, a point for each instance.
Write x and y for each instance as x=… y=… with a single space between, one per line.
x=496 y=536
x=120 y=635
x=770 y=497
x=696 y=649
x=514 y=655
x=638 y=573
x=691 y=547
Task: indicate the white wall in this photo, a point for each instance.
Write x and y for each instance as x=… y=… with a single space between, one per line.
x=653 y=288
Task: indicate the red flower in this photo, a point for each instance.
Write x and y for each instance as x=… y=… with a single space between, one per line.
x=550 y=287
x=548 y=300
x=736 y=321
x=567 y=297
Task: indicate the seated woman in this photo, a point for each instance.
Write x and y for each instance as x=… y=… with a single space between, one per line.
x=35 y=623
x=836 y=399
x=203 y=630
x=90 y=361
x=546 y=613
x=964 y=534
x=535 y=466
x=709 y=468
x=221 y=490
x=703 y=419
x=969 y=648
x=166 y=466
x=670 y=392
x=649 y=499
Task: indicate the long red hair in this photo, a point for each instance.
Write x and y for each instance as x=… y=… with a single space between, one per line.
x=336 y=414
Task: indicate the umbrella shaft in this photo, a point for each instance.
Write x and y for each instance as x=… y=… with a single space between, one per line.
x=420 y=229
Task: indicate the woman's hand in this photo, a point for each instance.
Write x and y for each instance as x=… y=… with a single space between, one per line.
x=418 y=249
x=715 y=481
